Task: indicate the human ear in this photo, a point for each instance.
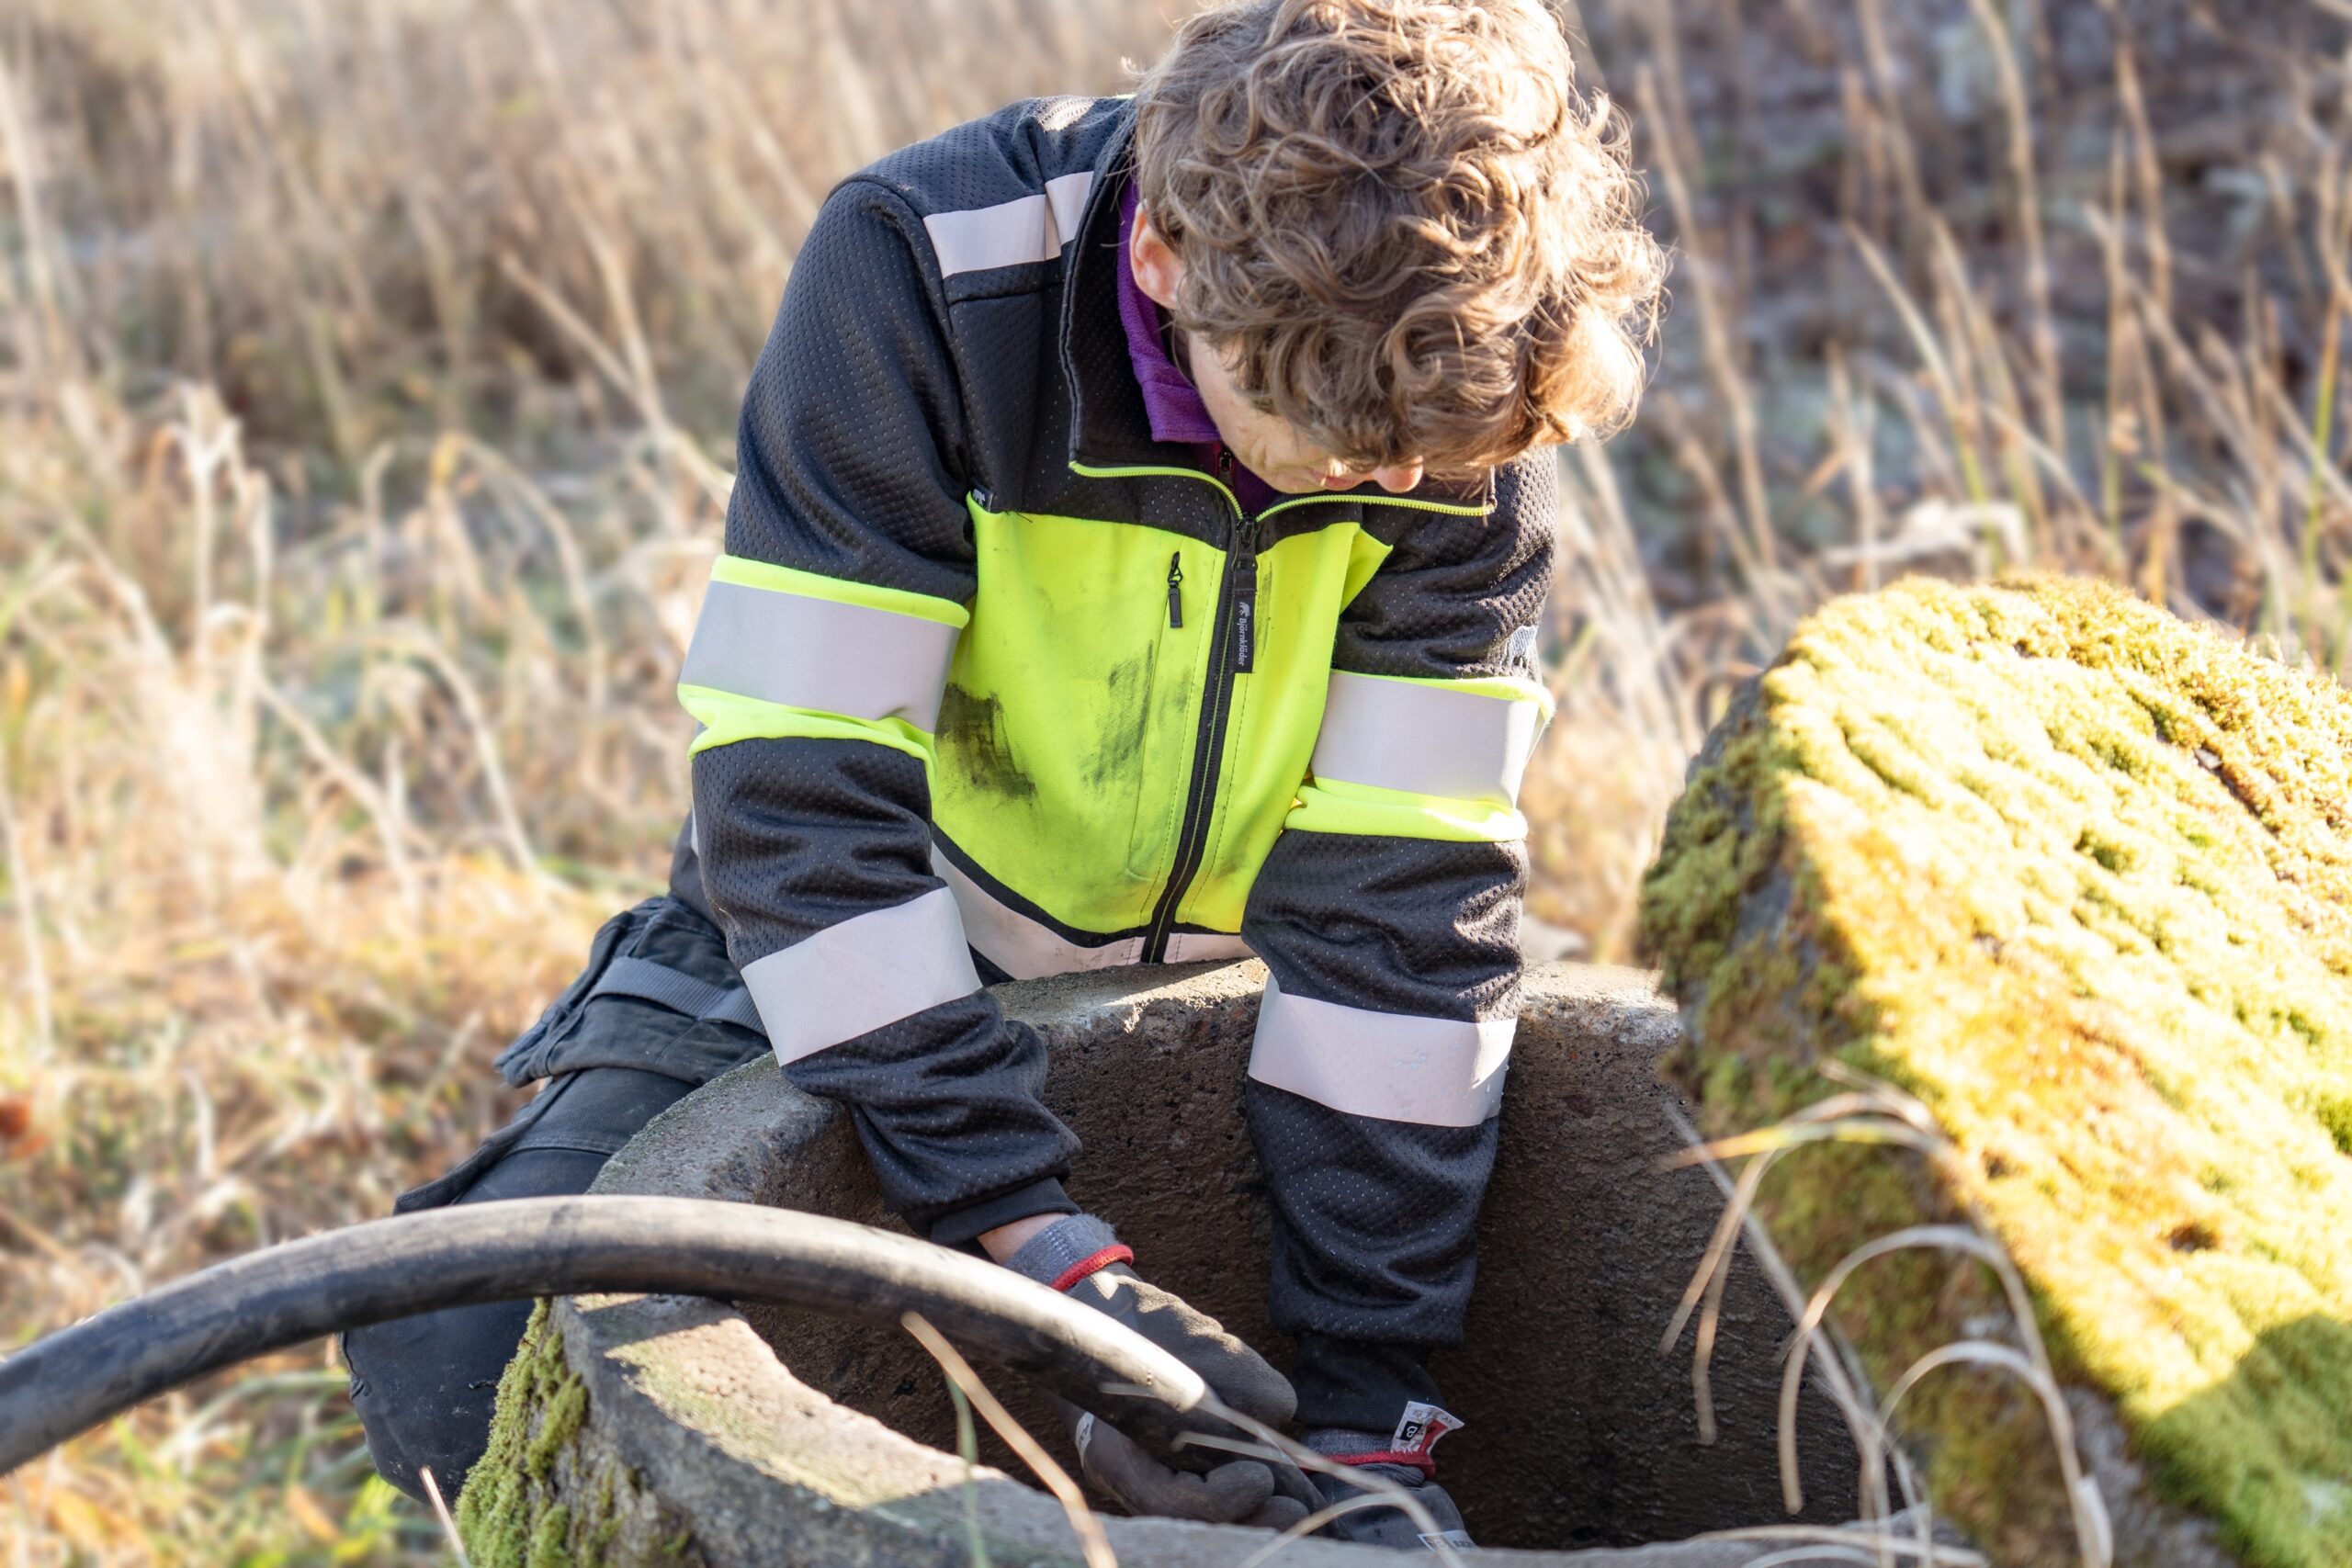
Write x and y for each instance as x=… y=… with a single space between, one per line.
x=1154 y=262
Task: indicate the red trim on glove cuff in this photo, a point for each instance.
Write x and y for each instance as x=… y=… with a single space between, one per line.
x=1117 y=1252
x=1419 y=1462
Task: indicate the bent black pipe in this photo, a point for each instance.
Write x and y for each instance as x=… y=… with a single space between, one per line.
x=280 y=1296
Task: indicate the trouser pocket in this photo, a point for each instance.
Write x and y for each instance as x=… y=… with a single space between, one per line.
x=659 y=993
x=658 y=996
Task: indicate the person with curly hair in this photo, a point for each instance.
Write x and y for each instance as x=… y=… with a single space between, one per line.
x=1144 y=510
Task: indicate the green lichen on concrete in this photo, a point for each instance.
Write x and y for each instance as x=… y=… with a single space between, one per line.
x=535 y=1499
x=559 y=1422
x=550 y=1539
x=2079 y=877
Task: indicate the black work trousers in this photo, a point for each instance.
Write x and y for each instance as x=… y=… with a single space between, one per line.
x=622 y=1045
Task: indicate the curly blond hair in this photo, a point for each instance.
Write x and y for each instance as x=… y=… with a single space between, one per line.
x=1401 y=224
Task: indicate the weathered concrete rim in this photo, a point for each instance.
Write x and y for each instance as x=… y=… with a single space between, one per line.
x=691 y=1396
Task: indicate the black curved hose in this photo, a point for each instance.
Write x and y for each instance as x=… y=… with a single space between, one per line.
x=269 y=1300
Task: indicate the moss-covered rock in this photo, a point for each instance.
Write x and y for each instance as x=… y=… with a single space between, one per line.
x=546 y=1495
x=2079 y=877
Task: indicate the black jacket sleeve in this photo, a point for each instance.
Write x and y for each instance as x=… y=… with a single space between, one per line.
x=851 y=470
x=1373 y=1248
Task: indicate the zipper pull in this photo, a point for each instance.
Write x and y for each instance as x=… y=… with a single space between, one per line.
x=1176 y=591
x=1245 y=600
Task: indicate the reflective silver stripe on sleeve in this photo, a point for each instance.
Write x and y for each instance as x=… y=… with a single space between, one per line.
x=1023 y=948
x=820 y=654
x=1424 y=738
x=1434 y=1071
x=1027 y=229
x=853 y=978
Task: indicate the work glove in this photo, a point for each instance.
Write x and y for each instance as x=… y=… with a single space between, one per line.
x=1081 y=1258
x=1239 y=1493
x=1403 y=1457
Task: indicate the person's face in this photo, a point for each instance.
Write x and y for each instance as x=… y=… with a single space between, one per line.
x=1272 y=448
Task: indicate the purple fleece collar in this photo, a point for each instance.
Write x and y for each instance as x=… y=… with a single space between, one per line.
x=1170 y=402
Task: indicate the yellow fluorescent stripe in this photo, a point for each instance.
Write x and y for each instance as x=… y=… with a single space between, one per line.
x=1332 y=805
x=1450 y=509
x=1503 y=688
x=726 y=718
x=842 y=591
x=1150 y=471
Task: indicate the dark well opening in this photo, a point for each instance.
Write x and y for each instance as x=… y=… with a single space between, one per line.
x=1579 y=1432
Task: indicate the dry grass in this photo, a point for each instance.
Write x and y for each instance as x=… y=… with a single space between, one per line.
x=366 y=369
x=1963 y=285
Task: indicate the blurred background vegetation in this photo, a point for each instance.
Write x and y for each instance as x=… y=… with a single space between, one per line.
x=367 y=375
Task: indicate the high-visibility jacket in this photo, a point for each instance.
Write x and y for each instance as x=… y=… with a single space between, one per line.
x=992 y=684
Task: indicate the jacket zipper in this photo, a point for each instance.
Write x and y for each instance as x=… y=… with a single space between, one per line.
x=1228 y=657
x=1233 y=647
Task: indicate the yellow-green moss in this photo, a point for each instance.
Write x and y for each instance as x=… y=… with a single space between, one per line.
x=559 y=1422
x=549 y=1547
x=2079 y=876
x=532 y=1501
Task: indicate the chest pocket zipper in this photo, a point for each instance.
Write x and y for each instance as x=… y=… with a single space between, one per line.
x=1148 y=833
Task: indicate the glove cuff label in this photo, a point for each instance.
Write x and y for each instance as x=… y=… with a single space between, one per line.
x=1417 y=1433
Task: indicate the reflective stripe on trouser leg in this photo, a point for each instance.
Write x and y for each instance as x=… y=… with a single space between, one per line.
x=820 y=654
x=1438 y=1072
x=853 y=978
x=1427 y=738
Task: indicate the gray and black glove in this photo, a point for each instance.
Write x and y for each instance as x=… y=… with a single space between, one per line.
x=1082 y=1258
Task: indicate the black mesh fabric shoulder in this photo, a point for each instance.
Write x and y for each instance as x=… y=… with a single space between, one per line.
x=1458 y=596
x=851 y=455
